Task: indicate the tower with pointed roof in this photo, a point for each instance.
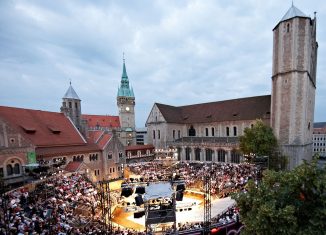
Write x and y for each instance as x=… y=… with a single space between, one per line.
x=71 y=107
x=126 y=106
x=294 y=84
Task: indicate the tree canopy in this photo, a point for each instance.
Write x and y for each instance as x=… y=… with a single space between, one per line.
x=259 y=140
x=292 y=202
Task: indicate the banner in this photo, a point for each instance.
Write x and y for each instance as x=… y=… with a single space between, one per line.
x=31 y=158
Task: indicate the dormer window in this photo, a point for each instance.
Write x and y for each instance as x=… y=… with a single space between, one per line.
x=54 y=130
x=29 y=129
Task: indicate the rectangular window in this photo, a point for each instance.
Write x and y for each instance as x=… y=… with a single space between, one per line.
x=179 y=134
x=213 y=131
x=153 y=134
x=173 y=134
x=159 y=134
x=70 y=105
x=206 y=130
x=110 y=170
x=76 y=105
x=1 y=172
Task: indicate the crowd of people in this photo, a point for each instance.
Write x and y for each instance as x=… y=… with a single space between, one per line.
x=69 y=204
x=225 y=177
x=51 y=207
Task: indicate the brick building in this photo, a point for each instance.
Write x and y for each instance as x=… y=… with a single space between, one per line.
x=53 y=138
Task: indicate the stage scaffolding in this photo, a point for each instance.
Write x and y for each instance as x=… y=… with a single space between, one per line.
x=105 y=202
x=207 y=202
x=160 y=213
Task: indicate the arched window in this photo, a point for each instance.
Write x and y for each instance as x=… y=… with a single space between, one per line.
x=227 y=131
x=154 y=134
x=213 y=131
x=179 y=154
x=209 y=154
x=110 y=155
x=221 y=155
x=192 y=131
x=206 y=131
x=188 y=151
x=288 y=27
x=235 y=131
x=10 y=170
x=197 y=154
x=16 y=169
x=235 y=156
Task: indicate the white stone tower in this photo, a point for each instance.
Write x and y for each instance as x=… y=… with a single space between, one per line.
x=294 y=84
x=71 y=107
x=126 y=106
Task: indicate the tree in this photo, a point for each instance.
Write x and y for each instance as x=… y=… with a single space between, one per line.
x=292 y=202
x=259 y=140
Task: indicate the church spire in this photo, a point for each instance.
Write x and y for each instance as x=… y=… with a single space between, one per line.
x=124 y=89
x=71 y=93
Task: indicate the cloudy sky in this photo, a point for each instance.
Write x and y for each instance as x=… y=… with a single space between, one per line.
x=177 y=52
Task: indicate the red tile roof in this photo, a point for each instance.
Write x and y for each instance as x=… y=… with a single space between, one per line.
x=94 y=136
x=66 y=150
x=139 y=147
x=102 y=121
x=43 y=128
x=99 y=137
x=249 y=108
x=104 y=140
x=73 y=166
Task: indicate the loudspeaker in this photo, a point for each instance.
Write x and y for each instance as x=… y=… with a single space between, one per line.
x=126 y=192
x=139 y=214
x=140 y=190
x=179 y=196
x=181 y=187
x=139 y=200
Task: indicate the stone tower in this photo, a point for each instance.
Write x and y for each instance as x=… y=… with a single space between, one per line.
x=294 y=84
x=71 y=107
x=126 y=106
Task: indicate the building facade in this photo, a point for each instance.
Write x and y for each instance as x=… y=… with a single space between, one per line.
x=140 y=153
x=141 y=136
x=206 y=132
x=319 y=139
x=209 y=132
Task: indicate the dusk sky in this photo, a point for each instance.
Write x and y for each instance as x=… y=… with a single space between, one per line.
x=177 y=52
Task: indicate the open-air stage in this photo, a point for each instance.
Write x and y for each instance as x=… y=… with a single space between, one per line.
x=190 y=209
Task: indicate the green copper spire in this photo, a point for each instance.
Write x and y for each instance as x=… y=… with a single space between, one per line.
x=124 y=89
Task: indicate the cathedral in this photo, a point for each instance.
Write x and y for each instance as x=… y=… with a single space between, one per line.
x=210 y=131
